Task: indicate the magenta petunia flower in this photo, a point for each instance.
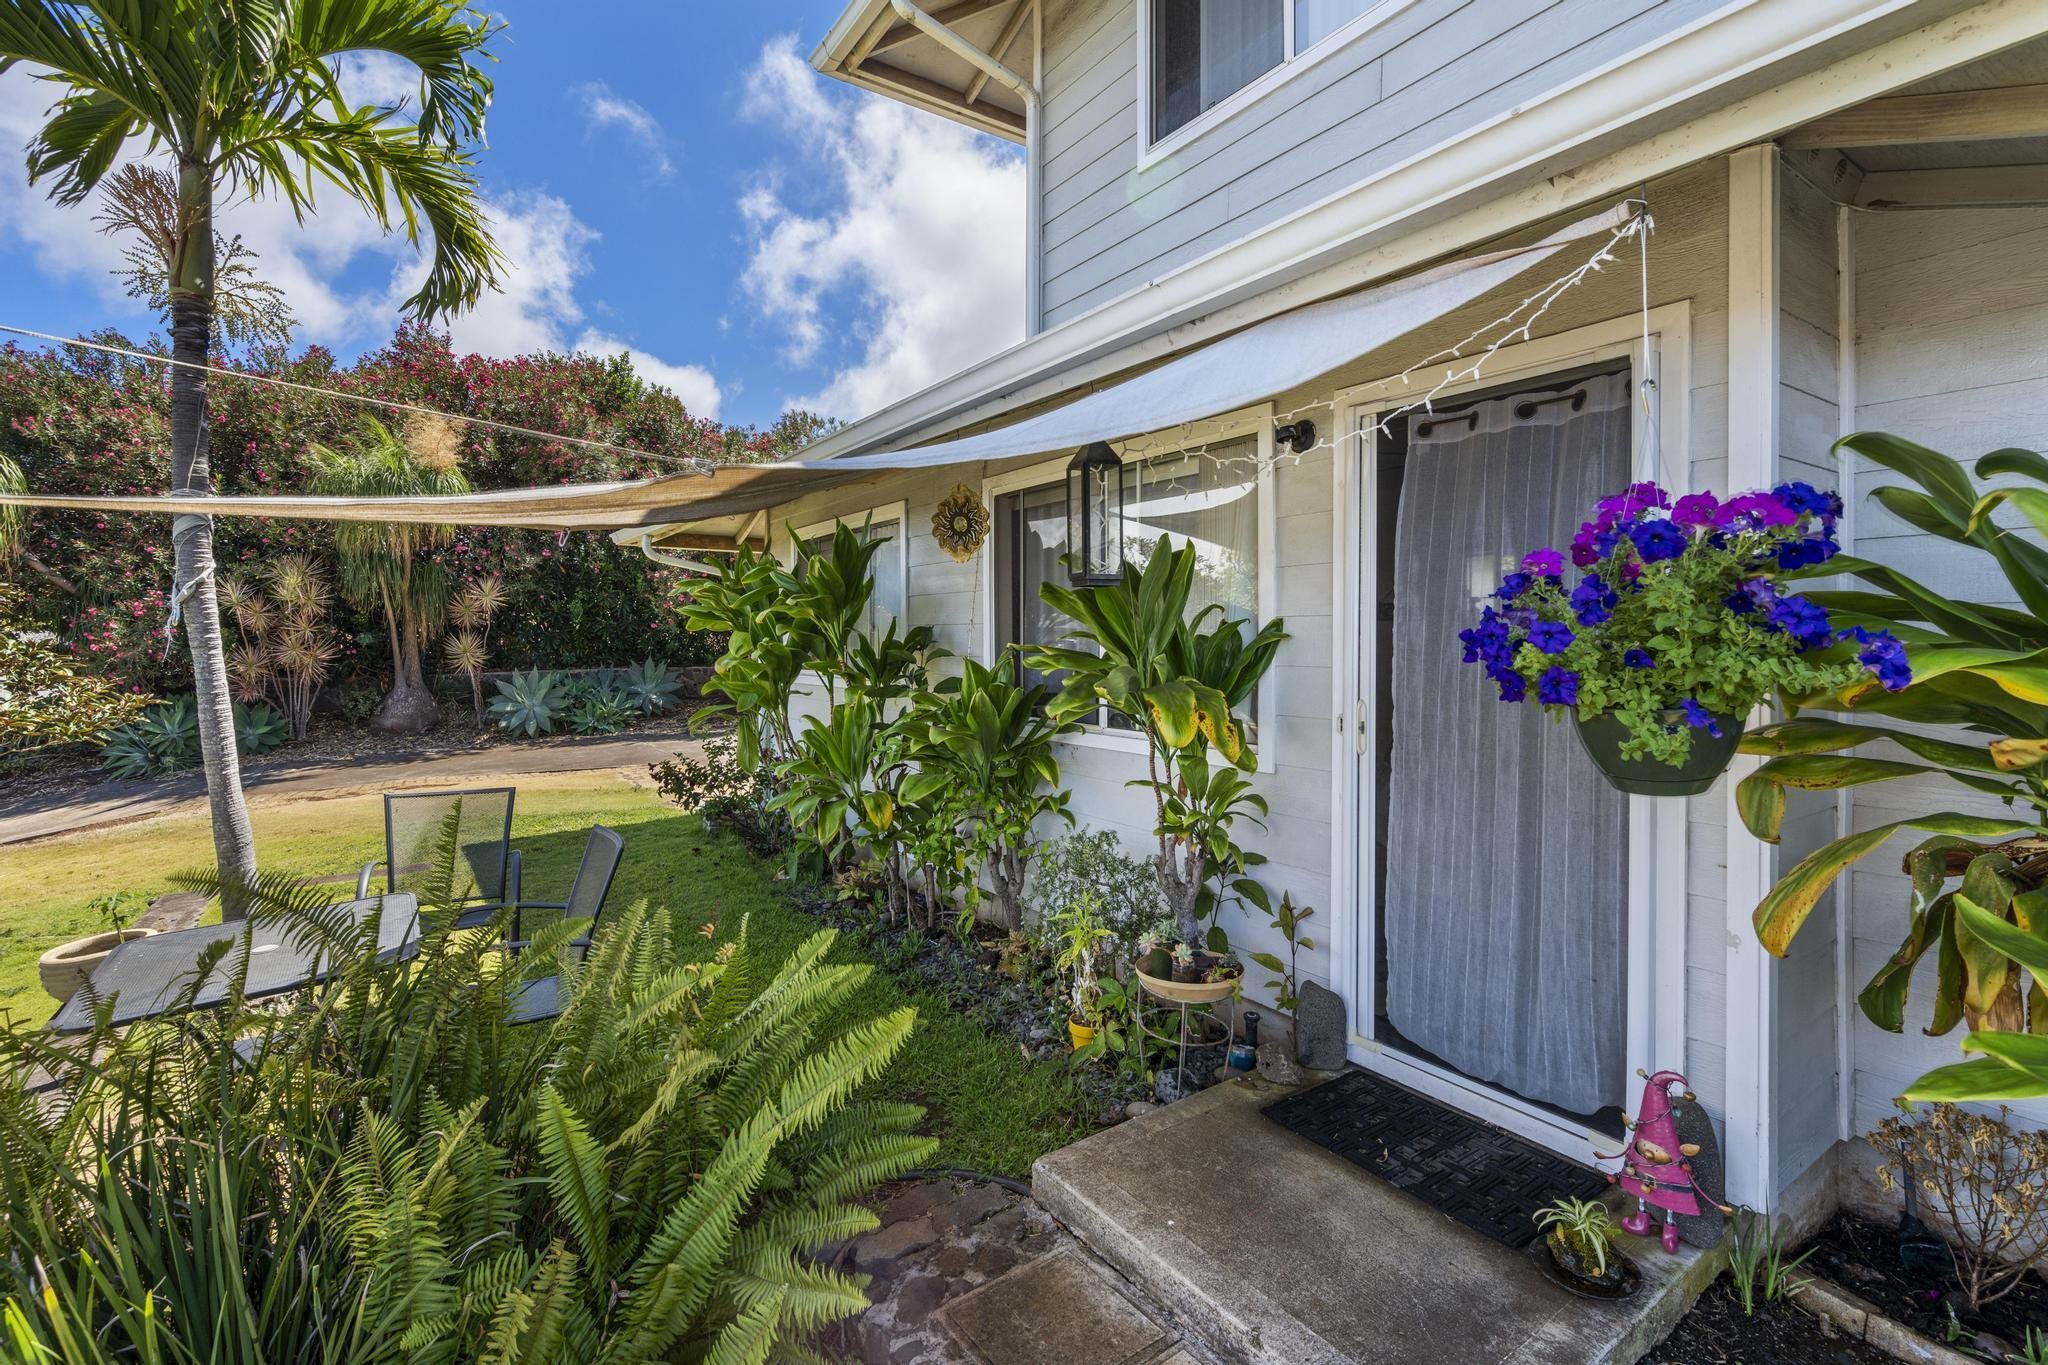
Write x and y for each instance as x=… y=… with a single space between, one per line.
x=1545 y=563
x=1696 y=509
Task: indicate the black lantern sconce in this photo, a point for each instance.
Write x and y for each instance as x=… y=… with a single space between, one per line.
x=1095 y=518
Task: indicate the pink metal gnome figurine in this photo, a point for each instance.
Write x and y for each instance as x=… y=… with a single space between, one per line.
x=1656 y=1168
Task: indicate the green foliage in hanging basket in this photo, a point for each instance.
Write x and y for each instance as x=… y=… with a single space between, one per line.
x=1677 y=612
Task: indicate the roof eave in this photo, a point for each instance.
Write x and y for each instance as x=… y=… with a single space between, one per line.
x=834 y=57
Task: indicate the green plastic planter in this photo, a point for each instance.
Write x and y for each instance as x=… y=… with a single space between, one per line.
x=1603 y=736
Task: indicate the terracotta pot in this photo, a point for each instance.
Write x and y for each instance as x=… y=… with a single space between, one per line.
x=64 y=968
x=1082 y=1034
x=1603 y=736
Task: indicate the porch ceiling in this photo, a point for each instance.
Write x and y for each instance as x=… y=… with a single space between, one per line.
x=874 y=47
x=1973 y=136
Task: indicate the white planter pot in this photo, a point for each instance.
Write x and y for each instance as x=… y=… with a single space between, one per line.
x=64 y=968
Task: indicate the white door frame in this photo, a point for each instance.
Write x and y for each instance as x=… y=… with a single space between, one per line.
x=1655 y=1011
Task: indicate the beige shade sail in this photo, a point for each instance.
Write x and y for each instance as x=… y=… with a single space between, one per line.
x=1246 y=367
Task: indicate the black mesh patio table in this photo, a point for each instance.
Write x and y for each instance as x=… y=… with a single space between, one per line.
x=148 y=977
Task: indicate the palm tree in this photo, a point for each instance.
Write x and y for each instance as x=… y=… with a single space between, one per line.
x=250 y=98
x=384 y=565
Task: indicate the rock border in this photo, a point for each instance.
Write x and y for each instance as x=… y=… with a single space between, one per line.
x=1853 y=1315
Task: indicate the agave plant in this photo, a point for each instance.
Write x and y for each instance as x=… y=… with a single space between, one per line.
x=602 y=708
x=259 y=728
x=531 y=703
x=1978 y=705
x=1180 y=678
x=651 y=685
x=163 y=739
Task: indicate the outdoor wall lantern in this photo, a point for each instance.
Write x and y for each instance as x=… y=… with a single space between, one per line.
x=1095 y=518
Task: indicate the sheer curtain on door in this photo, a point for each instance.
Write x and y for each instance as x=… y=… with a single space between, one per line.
x=1505 y=911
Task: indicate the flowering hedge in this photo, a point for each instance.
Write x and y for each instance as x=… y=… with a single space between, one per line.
x=1678 y=621
x=80 y=422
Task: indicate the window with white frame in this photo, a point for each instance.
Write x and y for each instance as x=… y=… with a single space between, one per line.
x=891 y=567
x=1207 y=498
x=1204 y=51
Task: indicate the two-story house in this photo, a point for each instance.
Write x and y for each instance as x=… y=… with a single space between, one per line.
x=1249 y=222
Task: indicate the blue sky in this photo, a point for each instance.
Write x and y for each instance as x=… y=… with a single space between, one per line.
x=674 y=182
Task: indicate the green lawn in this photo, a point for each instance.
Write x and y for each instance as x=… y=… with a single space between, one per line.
x=991 y=1110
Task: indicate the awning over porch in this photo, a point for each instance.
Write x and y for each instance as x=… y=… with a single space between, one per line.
x=1247 y=367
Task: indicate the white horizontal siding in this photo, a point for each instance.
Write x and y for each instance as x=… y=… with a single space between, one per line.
x=1430 y=71
x=1951 y=351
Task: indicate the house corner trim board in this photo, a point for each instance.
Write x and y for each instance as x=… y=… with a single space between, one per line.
x=1753 y=346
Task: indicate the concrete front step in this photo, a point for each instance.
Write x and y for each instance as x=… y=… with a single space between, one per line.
x=1270 y=1249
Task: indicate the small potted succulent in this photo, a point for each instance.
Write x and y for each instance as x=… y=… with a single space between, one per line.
x=1579 y=1235
x=1192 y=975
x=1677 y=627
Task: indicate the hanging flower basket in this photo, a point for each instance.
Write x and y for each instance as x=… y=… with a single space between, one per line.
x=1605 y=735
x=1678 y=625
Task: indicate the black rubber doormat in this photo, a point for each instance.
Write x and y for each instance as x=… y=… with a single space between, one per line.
x=1487 y=1179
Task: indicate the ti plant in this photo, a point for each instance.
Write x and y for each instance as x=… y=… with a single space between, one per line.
x=844 y=788
x=1975 y=718
x=763 y=660
x=988 y=742
x=1288 y=920
x=1181 y=678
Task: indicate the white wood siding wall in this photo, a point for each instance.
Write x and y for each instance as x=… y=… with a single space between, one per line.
x=1805 y=1070
x=1952 y=351
x=1437 y=68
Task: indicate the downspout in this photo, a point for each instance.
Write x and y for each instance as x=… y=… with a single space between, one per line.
x=674 y=561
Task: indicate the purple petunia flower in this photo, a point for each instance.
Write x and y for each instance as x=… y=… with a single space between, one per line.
x=1801 y=496
x=1593 y=601
x=1513 y=586
x=1802 y=618
x=1637 y=497
x=1754 y=512
x=1639 y=658
x=1700 y=718
x=1512 y=686
x=1696 y=509
x=1583 y=553
x=1488 y=641
x=1558 y=687
x=1797 y=554
x=1658 y=539
x=1545 y=563
x=1552 y=637
x=1884 y=655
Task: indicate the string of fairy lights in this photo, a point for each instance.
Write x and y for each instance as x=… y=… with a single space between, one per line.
x=1461 y=362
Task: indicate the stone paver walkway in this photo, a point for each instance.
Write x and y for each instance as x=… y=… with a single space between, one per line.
x=966 y=1271
x=118 y=803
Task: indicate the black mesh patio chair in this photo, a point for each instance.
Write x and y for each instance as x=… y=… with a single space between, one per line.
x=487 y=868
x=540 y=999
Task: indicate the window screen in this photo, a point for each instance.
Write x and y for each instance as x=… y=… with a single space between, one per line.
x=1204 y=51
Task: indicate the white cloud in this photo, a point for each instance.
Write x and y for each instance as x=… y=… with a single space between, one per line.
x=692 y=383
x=921 y=233
x=317 y=262
x=603 y=109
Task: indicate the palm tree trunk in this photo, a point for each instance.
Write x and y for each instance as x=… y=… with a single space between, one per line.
x=234 y=843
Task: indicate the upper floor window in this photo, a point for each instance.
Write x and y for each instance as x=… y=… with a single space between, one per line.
x=1205 y=51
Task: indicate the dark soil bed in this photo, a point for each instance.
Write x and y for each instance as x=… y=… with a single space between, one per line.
x=1716 y=1332
x=1862 y=1257
x=970 y=978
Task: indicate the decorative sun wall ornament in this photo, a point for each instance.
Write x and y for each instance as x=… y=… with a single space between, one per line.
x=960 y=524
